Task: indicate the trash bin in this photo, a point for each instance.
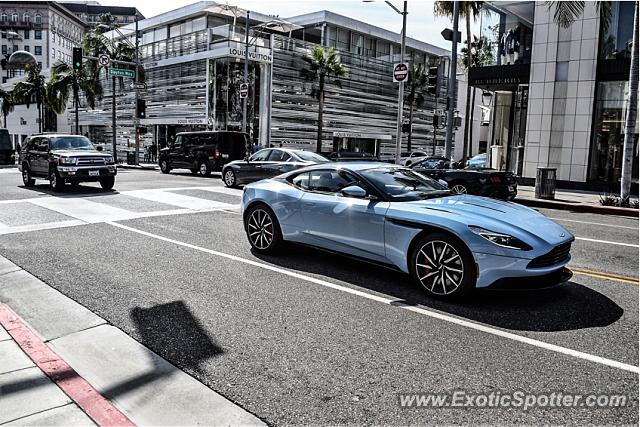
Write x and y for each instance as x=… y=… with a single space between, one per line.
x=546 y=183
x=131 y=158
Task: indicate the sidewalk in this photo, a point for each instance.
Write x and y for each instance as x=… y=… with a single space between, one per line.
x=142 y=165
x=573 y=200
x=61 y=364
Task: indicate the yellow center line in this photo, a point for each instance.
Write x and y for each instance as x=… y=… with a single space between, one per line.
x=606 y=276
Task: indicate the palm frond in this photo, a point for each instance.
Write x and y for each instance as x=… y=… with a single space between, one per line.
x=566 y=12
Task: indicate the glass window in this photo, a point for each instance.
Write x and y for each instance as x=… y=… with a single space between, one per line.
x=175 y=30
x=27 y=34
x=343 y=39
x=301 y=180
x=37 y=34
x=26 y=17
x=403 y=184
x=70 y=142
x=200 y=24
x=4 y=17
x=331 y=36
x=562 y=71
x=28 y=48
x=279 y=156
x=382 y=49
x=37 y=50
x=615 y=43
x=261 y=156
x=357 y=43
x=14 y=17
x=38 y=18
x=160 y=34
x=308 y=156
x=329 y=181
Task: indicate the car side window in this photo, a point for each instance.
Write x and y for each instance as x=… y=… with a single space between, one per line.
x=279 y=156
x=261 y=156
x=328 y=181
x=301 y=181
x=177 y=143
x=43 y=144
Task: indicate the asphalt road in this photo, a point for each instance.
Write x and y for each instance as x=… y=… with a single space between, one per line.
x=307 y=337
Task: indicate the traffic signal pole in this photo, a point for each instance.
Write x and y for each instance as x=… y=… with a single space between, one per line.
x=452 y=81
x=137 y=119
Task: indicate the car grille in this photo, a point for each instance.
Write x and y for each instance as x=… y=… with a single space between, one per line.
x=558 y=254
x=91 y=161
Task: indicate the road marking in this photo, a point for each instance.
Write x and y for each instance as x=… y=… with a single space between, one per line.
x=96 y=406
x=594 y=223
x=169 y=198
x=83 y=209
x=394 y=302
x=603 y=275
x=36 y=227
x=608 y=242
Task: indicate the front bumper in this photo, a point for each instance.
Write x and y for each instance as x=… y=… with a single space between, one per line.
x=87 y=173
x=502 y=271
x=533 y=282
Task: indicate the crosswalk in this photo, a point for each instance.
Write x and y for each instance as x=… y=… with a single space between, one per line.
x=47 y=212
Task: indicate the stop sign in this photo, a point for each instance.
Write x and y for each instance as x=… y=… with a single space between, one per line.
x=400 y=72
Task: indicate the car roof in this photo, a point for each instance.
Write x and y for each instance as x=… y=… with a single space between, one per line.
x=54 y=134
x=200 y=132
x=352 y=166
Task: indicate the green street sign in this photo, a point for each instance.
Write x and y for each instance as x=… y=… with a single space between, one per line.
x=120 y=72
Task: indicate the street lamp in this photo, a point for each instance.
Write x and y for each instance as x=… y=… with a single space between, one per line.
x=401 y=88
x=486 y=98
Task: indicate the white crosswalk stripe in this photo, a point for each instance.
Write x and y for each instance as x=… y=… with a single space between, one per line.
x=23 y=216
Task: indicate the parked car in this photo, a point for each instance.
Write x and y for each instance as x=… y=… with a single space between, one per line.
x=478 y=161
x=63 y=159
x=203 y=152
x=480 y=182
x=267 y=163
x=449 y=244
x=351 y=156
x=6 y=149
x=408 y=157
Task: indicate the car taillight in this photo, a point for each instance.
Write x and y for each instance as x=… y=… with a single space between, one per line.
x=495 y=179
x=216 y=153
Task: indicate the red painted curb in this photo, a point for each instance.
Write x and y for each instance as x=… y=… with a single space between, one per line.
x=96 y=406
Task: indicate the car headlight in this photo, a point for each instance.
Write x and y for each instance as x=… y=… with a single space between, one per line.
x=67 y=160
x=500 y=239
x=109 y=160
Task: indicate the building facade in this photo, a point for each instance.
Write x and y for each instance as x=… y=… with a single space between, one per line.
x=559 y=94
x=90 y=11
x=193 y=59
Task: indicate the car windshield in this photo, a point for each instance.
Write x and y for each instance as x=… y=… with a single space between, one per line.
x=404 y=184
x=311 y=157
x=70 y=143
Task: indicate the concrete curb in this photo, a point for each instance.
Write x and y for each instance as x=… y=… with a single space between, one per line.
x=578 y=207
x=145 y=387
x=141 y=167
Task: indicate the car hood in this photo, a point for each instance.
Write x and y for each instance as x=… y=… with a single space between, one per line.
x=79 y=153
x=495 y=215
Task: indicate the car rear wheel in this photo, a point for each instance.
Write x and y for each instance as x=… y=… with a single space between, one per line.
x=27 y=180
x=107 y=182
x=263 y=229
x=442 y=266
x=230 y=179
x=164 y=166
x=55 y=181
x=459 y=189
x=204 y=169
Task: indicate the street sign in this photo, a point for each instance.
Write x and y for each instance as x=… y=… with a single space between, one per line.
x=104 y=60
x=400 y=72
x=139 y=86
x=447 y=34
x=120 y=72
x=244 y=90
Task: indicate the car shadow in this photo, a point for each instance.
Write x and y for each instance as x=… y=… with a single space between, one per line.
x=81 y=190
x=568 y=306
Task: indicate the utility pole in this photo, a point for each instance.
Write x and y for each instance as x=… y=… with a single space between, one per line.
x=452 y=81
x=246 y=72
x=113 y=119
x=136 y=119
x=401 y=88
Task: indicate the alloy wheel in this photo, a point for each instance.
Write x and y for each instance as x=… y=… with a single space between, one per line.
x=26 y=178
x=203 y=169
x=229 y=178
x=439 y=267
x=459 y=189
x=54 y=180
x=260 y=229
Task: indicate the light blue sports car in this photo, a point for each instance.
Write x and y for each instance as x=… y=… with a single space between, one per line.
x=449 y=244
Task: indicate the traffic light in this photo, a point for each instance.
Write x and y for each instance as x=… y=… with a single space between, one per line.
x=141 y=130
x=77 y=58
x=141 y=109
x=406 y=127
x=432 y=88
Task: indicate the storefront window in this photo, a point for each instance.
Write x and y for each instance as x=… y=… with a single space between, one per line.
x=510 y=38
x=615 y=43
x=608 y=135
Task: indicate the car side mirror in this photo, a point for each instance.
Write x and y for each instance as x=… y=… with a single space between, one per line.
x=354 y=191
x=443 y=183
x=99 y=148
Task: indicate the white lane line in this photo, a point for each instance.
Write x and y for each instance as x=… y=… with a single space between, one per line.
x=169 y=198
x=372 y=297
x=83 y=209
x=594 y=223
x=45 y=226
x=607 y=242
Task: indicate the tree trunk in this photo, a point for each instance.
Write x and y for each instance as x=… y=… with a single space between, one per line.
x=320 y=114
x=632 y=114
x=467 y=117
x=39 y=117
x=410 y=126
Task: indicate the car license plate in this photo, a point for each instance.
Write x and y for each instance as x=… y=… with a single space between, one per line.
x=94 y=173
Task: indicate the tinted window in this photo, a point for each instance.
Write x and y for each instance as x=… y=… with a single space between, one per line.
x=404 y=184
x=311 y=157
x=70 y=143
x=260 y=156
x=329 y=181
x=301 y=180
x=42 y=144
x=434 y=164
x=279 y=156
x=233 y=144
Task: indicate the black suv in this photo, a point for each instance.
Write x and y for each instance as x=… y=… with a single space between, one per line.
x=65 y=159
x=203 y=152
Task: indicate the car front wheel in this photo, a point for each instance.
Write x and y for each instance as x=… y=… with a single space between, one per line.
x=164 y=166
x=107 y=182
x=27 y=180
x=230 y=178
x=55 y=181
x=263 y=229
x=442 y=266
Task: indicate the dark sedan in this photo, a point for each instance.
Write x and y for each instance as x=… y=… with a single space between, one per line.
x=267 y=163
x=477 y=181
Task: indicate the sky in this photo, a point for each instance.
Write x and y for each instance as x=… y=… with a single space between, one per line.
x=421 y=23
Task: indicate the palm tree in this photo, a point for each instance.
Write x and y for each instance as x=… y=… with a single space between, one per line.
x=469 y=10
x=66 y=81
x=565 y=13
x=481 y=56
x=323 y=64
x=7 y=104
x=32 y=87
x=418 y=82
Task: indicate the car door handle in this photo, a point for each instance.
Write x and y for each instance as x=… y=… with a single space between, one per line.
x=308 y=204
